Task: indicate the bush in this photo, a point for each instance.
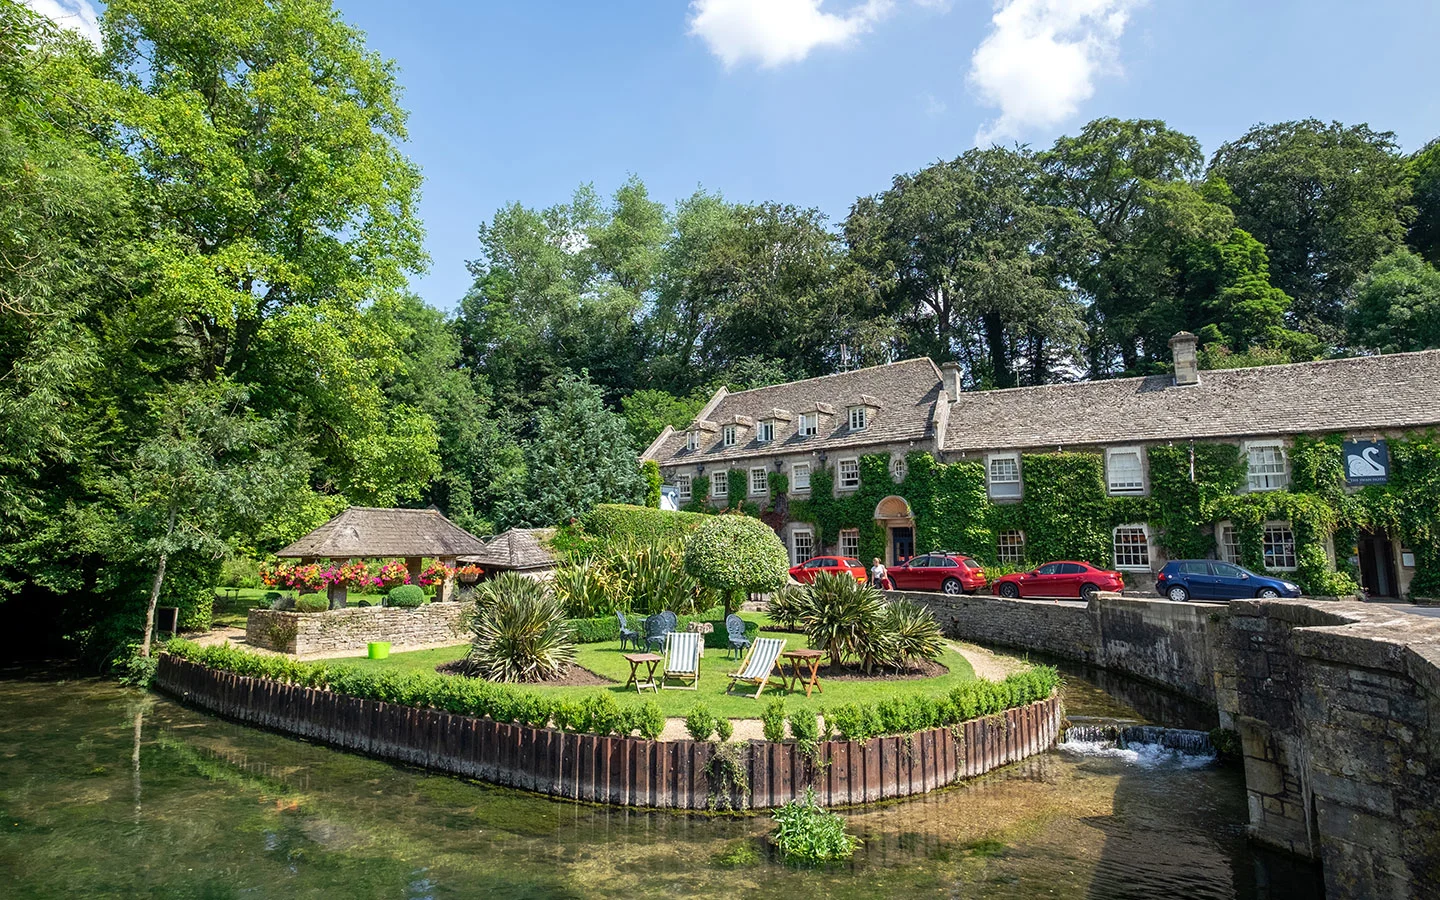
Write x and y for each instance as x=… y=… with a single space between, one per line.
x=585 y=588
x=804 y=728
x=736 y=554
x=406 y=596
x=520 y=633
x=807 y=833
x=846 y=619
x=787 y=605
x=312 y=603
x=772 y=720
x=647 y=719
x=913 y=632
x=723 y=729
x=240 y=572
x=611 y=522
x=650 y=471
x=700 y=723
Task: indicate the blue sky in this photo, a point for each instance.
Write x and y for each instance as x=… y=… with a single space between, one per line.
x=814 y=102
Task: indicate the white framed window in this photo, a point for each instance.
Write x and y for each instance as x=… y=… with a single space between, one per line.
x=1227 y=541
x=766 y=432
x=849 y=478
x=759 y=482
x=802 y=545
x=727 y=435
x=682 y=485
x=859 y=418
x=1011 y=549
x=1124 y=471
x=1279 y=546
x=1004 y=475
x=692 y=440
x=720 y=485
x=1269 y=470
x=800 y=477
x=850 y=542
x=1132 y=547
x=809 y=424
x=898 y=468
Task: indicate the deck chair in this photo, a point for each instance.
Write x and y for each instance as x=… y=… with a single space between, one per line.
x=682 y=660
x=758 y=665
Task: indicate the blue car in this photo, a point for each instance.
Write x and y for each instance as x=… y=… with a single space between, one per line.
x=1210 y=579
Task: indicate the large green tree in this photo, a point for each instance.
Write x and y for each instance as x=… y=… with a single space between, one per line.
x=1424 y=233
x=1397 y=305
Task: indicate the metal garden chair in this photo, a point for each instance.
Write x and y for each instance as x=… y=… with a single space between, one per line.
x=735 y=628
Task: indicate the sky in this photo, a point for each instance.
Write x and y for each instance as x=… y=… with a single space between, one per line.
x=816 y=102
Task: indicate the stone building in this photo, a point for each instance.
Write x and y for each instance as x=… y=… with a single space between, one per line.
x=1120 y=426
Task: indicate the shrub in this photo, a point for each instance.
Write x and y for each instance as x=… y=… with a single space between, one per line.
x=807 y=833
x=772 y=720
x=804 y=728
x=647 y=719
x=240 y=572
x=585 y=588
x=406 y=596
x=650 y=471
x=787 y=605
x=520 y=634
x=846 y=619
x=736 y=554
x=620 y=522
x=312 y=603
x=700 y=723
x=723 y=729
x=913 y=632
x=652 y=577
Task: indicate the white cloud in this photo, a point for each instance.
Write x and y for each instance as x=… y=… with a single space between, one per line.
x=77 y=15
x=775 y=32
x=1040 y=61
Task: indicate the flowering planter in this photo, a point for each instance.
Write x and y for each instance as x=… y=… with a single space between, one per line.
x=469 y=577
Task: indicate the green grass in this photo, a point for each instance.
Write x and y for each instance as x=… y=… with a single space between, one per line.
x=606 y=659
x=231 y=612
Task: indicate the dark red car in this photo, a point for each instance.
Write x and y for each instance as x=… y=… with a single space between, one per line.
x=1065 y=579
x=947 y=572
x=836 y=565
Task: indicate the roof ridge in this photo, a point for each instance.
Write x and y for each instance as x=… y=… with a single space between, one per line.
x=898 y=362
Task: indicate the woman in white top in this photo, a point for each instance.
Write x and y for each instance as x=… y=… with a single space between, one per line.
x=878 y=575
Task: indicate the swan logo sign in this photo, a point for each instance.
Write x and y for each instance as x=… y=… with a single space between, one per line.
x=1366 y=462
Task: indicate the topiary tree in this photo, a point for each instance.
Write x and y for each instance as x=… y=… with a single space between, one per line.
x=737 y=554
x=405 y=596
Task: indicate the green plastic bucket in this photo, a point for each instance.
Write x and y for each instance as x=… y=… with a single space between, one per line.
x=378 y=649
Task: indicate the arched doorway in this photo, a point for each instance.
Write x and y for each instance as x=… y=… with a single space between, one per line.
x=893 y=513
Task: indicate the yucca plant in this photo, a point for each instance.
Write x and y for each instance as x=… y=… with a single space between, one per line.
x=586 y=589
x=845 y=618
x=788 y=605
x=912 y=632
x=520 y=633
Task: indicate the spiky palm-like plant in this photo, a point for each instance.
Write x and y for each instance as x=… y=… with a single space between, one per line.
x=520 y=633
x=788 y=604
x=845 y=618
x=913 y=632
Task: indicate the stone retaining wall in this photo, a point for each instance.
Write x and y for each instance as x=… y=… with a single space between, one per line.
x=305 y=634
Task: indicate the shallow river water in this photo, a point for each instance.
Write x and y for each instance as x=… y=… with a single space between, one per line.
x=111 y=792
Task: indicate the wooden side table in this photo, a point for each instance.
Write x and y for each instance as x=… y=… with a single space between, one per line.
x=635 y=659
x=799 y=661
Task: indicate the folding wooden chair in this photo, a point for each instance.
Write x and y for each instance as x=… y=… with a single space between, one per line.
x=759 y=664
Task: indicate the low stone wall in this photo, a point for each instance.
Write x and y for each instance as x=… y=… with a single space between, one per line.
x=304 y=634
x=622 y=771
x=1060 y=629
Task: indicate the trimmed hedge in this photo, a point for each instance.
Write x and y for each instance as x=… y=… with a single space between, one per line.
x=611 y=521
x=312 y=603
x=971 y=700
x=405 y=596
x=607 y=628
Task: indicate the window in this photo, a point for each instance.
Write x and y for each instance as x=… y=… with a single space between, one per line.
x=759 y=483
x=1005 y=475
x=1132 y=549
x=1225 y=570
x=802 y=545
x=800 y=477
x=858 y=416
x=897 y=468
x=720 y=485
x=1279 y=546
x=766 y=432
x=809 y=424
x=727 y=435
x=1194 y=567
x=1228 y=542
x=682 y=484
x=692 y=440
x=1012 y=548
x=1124 y=472
x=849 y=474
x=1048 y=569
x=850 y=542
x=1268 y=470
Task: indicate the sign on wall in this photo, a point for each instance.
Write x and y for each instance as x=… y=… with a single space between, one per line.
x=1366 y=462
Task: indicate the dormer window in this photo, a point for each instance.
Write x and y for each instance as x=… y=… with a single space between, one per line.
x=809 y=424
x=692 y=440
x=766 y=431
x=859 y=418
x=727 y=436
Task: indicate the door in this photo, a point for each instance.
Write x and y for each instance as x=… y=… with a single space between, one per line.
x=1198 y=578
x=910 y=576
x=902 y=545
x=1231 y=582
x=1377 y=564
x=1042 y=583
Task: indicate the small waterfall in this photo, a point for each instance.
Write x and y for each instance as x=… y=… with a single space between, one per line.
x=1147 y=745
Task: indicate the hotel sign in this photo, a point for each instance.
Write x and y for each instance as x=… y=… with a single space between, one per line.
x=1366 y=462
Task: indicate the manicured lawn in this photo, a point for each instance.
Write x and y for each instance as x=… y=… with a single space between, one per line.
x=232 y=611
x=605 y=659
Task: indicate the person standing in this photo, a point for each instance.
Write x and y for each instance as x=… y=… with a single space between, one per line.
x=879 y=576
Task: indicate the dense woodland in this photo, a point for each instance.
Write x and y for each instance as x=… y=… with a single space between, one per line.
x=208 y=344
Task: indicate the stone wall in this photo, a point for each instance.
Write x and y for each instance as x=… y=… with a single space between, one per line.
x=306 y=634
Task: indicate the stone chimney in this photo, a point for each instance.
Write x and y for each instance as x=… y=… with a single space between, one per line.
x=1187 y=364
x=950 y=375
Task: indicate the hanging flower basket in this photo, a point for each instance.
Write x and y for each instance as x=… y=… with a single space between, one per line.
x=469 y=574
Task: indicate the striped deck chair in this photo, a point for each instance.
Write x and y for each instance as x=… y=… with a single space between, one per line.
x=682 y=660
x=758 y=665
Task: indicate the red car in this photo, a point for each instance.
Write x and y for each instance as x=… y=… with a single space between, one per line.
x=1065 y=579
x=836 y=565
x=948 y=572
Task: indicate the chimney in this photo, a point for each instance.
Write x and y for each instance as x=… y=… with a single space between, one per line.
x=950 y=375
x=1187 y=364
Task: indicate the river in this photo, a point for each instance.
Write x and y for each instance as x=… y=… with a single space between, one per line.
x=107 y=791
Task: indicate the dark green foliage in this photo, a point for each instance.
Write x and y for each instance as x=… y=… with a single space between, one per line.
x=723 y=729
x=787 y=605
x=862 y=721
x=1424 y=233
x=650 y=470
x=610 y=524
x=911 y=632
x=405 y=596
x=805 y=833
x=772 y=720
x=700 y=723
x=845 y=618
x=520 y=633
x=804 y=728
x=733 y=554
x=646 y=719
x=1397 y=305
x=313 y=603
x=728 y=776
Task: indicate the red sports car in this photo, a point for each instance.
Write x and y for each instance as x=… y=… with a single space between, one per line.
x=1064 y=579
x=948 y=572
x=836 y=565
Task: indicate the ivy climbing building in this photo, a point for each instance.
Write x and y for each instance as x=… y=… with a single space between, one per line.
x=1327 y=473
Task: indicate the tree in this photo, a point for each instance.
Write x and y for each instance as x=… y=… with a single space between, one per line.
x=648 y=411
x=1326 y=201
x=1397 y=306
x=736 y=554
x=1424 y=234
x=1228 y=300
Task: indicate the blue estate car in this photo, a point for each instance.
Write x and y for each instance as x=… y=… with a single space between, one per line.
x=1210 y=579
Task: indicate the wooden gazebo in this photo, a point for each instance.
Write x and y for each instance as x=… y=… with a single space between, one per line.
x=519 y=550
x=367 y=532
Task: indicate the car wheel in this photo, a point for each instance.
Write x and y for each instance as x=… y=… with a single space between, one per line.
x=1178 y=594
x=1009 y=590
x=951 y=586
x=1088 y=592
x=1269 y=593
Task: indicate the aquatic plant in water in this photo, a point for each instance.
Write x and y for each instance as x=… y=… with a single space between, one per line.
x=808 y=833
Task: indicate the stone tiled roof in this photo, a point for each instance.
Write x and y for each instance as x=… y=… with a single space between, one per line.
x=364 y=531
x=906 y=393
x=1360 y=394
x=518 y=549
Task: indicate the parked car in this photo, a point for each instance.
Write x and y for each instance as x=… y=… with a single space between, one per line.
x=1063 y=579
x=1210 y=579
x=836 y=565
x=948 y=572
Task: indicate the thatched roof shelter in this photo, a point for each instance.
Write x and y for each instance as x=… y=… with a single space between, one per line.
x=363 y=531
x=516 y=550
